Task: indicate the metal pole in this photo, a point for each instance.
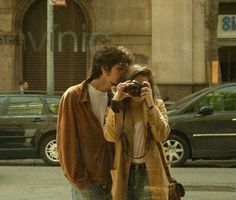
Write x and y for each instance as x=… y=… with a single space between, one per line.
x=50 y=48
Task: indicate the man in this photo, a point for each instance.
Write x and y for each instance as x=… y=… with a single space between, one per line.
x=23 y=85
x=85 y=156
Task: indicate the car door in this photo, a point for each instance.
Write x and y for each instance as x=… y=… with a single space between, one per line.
x=52 y=103
x=214 y=135
x=22 y=119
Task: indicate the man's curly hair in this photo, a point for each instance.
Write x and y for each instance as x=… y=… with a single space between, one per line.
x=107 y=57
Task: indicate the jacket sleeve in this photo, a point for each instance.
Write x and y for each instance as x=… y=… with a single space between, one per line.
x=158 y=120
x=68 y=141
x=113 y=126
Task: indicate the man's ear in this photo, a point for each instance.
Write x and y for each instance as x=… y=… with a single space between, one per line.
x=105 y=70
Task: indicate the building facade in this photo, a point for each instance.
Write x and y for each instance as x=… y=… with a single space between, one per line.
x=178 y=39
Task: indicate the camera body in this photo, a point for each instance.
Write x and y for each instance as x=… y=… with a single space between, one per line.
x=134 y=89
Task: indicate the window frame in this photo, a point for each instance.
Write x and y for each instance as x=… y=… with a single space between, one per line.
x=204 y=96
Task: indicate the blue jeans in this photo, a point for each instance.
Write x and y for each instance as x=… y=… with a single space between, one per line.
x=138 y=179
x=92 y=192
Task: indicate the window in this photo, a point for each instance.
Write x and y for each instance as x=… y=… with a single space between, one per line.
x=25 y=106
x=227 y=49
x=53 y=104
x=227 y=57
x=223 y=99
x=227 y=8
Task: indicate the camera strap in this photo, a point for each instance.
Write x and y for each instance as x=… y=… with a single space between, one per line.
x=125 y=142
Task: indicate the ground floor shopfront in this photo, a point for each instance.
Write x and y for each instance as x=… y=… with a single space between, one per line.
x=180 y=41
x=80 y=28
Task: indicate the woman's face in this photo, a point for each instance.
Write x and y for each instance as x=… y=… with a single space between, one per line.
x=140 y=79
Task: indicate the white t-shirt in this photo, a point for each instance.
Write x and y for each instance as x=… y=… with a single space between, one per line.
x=138 y=142
x=98 y=101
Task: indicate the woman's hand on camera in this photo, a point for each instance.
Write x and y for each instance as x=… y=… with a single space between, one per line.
x=146 y=93
x=120 y=94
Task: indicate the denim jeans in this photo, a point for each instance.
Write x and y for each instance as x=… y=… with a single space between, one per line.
x=92 y=192
x=138 y=179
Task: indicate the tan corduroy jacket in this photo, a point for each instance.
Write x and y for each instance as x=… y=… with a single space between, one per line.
x=158 y=182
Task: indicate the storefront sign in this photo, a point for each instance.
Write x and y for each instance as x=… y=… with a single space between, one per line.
x=58 y=2
x=226 y=26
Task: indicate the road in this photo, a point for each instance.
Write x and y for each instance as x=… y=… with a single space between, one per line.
x=36 y=181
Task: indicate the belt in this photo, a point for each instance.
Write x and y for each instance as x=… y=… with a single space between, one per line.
x=137 y=166
x=103 y=189
x=104 y=186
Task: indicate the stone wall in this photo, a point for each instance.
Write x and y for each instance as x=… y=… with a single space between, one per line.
x=127 y=23
x=6 y=45
x=179 y=52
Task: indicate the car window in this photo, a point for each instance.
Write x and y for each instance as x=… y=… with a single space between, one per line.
x=1 y=103
x=222 y=99
x=186 y=99
x=25 y=106
x=53 y=104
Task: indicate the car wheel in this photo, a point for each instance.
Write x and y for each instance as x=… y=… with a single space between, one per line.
x=48 y=150
x=176 y=150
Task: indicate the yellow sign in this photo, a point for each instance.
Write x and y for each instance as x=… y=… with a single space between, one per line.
x=215 y=72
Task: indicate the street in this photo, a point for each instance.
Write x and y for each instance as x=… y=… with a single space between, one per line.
x=33 y=180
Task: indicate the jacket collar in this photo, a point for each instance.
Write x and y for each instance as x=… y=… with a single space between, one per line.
x=84 y=95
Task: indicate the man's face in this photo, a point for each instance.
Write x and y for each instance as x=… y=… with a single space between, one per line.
x=26 y=86
x=116 y=73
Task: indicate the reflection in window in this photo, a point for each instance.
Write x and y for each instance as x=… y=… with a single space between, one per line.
x=223 y=99
x=25 y=106
x=53 y=104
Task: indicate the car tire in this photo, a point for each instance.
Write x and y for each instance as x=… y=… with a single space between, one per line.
x=48 y=150
x=176 y=150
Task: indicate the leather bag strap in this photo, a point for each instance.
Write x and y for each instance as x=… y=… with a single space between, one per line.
x=164 y=162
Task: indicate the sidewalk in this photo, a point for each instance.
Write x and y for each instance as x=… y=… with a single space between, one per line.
x=33 y=183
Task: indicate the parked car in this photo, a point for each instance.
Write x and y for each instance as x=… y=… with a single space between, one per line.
x=203 y=125
x=28 y=126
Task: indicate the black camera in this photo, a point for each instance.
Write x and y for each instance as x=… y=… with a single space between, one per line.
x=134 y=89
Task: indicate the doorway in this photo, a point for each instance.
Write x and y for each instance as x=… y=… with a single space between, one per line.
x=70 y=57
x=227 y=58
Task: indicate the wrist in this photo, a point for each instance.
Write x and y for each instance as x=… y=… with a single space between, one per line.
x=150 y=103
x=115 y=106
x=117 y=97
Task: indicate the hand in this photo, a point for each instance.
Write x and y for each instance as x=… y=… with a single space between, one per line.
x=120 y=94
x=146 y=93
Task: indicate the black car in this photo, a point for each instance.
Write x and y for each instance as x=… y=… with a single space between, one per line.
x=203 y=125
x=28 y=126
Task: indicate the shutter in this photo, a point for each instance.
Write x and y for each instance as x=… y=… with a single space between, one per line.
x=69 y=66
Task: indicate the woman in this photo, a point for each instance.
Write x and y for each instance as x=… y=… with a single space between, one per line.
x=135 y=123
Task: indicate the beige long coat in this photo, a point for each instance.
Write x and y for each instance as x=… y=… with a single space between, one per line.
x=158 y=182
